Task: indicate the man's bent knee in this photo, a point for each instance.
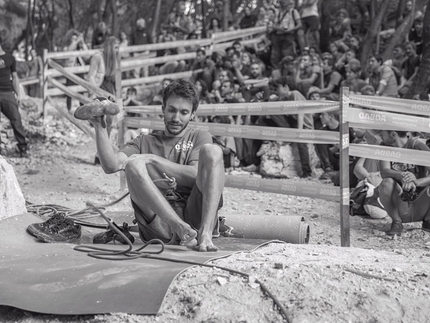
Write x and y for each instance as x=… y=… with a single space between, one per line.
x=211 y=153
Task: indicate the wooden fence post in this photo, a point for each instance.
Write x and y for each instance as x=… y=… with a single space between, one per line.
x=44 y=82
x=344 y=168
x=120 y=116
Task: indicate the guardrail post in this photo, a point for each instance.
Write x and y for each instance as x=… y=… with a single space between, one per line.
x=344 y=168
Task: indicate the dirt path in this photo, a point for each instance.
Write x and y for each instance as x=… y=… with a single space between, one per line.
x=378 y=279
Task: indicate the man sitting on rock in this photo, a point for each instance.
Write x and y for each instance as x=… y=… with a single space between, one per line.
x=175 y=176
x=405 y=188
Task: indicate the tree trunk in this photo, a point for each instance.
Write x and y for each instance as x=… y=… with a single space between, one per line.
x=115 y=29
x=156 y=21
x=325 y=25
x=421 y=82
x=72 y=23
x=372 y=32
x=225 y=17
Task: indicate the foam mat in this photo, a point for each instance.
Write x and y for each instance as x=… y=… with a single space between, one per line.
x=54 y=278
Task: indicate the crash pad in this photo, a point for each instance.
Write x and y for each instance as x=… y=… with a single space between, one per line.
x=54 y=278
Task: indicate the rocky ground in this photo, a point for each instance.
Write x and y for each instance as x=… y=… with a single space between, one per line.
x=377 y=279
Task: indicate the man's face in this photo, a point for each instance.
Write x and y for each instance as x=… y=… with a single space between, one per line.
x=226 y=88
x=418 y=25
x=397 y=52
x=350 y=75
x=255 y=70
x=177 y=115
x=354 y=42
x=181 y=8
x=388 y=138
x=223 y=76
x=349 y=55
x=325 y=118
x=200 y=56
x=131 y=95
x=140 y=23
x=409 y=50
x=409 y=6
x=306 y=61
x=237 y=47
x=165 y=83
x=247 y=11
x=315 y=96
x=373 y=64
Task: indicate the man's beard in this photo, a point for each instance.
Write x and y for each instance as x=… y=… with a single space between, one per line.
x=176 y=130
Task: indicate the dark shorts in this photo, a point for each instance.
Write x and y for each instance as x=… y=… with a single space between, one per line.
x=311 y=23
x=417 y=210
x=191 y=213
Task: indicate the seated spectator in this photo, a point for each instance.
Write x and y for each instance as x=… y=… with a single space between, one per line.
x=396 y=61
x=291 y=121
x=132 y=101
x=341 y=28
x=409 y=70
x=307 y=75
x=227 y=93
x=344 y=60
x=226 y=143
x=329 y=154
x=353 y=81
x=416 y=34
x=288 y=72
x=244 y=69
x=332 y=79
x=208 y=67
x=157 y=99
x=256 y=88
x=261 y=17
x=334 y=50
x=100 y=35
x=382 y=77
x=179 y=23
x=202 y=91
x=368 y=90
x=223 y=75
x=409 y=182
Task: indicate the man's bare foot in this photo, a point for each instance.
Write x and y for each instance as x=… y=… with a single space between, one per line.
x=187 y=235
x=205 y=244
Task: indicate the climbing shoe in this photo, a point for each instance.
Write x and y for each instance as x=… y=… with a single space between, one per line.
x=57 y=218
x=100 y=106
x=396 y=229
x=64 y=231
x=111 y=235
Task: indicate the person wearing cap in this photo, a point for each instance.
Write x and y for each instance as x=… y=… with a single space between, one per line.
x=288 y=71
x=353 y=81
x=382 y=77
x=332 y=79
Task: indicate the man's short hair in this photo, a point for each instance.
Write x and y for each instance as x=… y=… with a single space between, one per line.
x=414 y=46
x=378 y=58
x=183 y=89
x=201 y=50
x=131 y=89
x=236 y=42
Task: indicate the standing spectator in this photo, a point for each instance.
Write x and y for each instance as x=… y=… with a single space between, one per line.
x=219 y=13
x=287 y=22
x=9 y=96
x=310 y=21
x=100 y=35
x=179 y=23
x=139 y=36
x=74 y=41
x=35 y=70
x=382 y=77
x=248 y=20
x=409 y=70
x=416 y=34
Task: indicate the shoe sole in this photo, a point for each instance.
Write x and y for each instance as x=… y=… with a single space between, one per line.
x=47 y=238
x=96 y=109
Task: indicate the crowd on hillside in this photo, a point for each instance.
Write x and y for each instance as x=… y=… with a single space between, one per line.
x=286 y=63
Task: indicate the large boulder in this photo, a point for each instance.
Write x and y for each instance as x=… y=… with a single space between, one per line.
x=12 y=200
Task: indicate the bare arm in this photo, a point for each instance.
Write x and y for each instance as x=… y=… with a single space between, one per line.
x=386 y=171
x=15 y=84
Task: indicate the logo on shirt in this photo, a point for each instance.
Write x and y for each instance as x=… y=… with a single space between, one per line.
x=2 y=63
x=184 y=146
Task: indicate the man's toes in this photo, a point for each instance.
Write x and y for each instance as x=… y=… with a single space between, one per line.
x=206 y=248
x=189 y=237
